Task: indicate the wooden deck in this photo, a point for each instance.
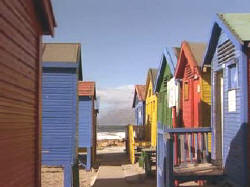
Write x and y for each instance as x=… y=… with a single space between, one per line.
x=204 y=171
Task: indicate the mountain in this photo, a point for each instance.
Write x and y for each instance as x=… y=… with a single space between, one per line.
x=120 y=117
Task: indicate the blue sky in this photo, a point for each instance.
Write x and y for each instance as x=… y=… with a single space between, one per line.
x=121 y=39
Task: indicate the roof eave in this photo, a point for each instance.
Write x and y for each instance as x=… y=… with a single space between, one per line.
x=219 y=24
x=46 y=15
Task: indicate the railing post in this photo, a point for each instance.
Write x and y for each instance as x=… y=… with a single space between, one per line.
x=169 y=161
x=196 y=146
x=206 y=139
x=175 y=136
x=191 y=146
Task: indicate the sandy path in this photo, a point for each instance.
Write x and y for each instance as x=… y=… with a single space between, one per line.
x=112 y=174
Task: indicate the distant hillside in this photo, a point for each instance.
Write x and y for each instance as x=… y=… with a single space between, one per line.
x=117 y=117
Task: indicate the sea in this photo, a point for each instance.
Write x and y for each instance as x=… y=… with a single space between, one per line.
x=105 y=132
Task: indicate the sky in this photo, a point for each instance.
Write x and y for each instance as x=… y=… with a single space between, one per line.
x=121 y=39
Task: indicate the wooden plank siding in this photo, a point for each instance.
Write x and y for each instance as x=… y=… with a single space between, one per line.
x=59 y=116
x=20 y=95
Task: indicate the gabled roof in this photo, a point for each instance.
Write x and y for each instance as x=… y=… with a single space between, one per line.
x=169 y=56
x=139 y=93
x=87 y=88
x=140 y=90
x=61 y=52
x=63 y=55
x=193 y=52
x=151 y=76
x=235 y=25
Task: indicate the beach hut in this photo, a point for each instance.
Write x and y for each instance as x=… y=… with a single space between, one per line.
x=22 y=24
x=195 y=92
x=228 y=53
x=139 y=104
x=61 y=72
x=151 y=108
x=195 y=86
x=164 y=80
x=87 y=120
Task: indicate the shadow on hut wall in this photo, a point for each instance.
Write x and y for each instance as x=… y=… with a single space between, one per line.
x=236 y=160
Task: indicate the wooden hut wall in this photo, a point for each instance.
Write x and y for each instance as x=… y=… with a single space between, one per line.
x=85 y=121
x=86 y=128
x=59 y=116
x=232 y=129
x=151 y=114
x=164 y=113
x=22 y=24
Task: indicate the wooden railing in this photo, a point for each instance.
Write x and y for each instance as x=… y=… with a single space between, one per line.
x=185 y=145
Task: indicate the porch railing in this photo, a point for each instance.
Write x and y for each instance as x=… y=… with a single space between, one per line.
x=185 y=145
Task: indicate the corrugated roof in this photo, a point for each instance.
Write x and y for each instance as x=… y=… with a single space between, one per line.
x=141 y=92
x=61 y=52
x=198 y=50
x=238 y=23
x=86 y=88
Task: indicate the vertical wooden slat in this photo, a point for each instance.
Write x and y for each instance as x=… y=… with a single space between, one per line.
x=185 y=148
x=196 y=146
x=169 y=162
x=206 y=142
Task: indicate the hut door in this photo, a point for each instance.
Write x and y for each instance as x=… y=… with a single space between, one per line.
x=219 y=117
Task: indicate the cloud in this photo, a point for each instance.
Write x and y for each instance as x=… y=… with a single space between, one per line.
x=115 y=105
x=113 y=98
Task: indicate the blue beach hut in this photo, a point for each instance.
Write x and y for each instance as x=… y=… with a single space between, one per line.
x=61 y=70
x=139 y=104
x=228 y=55
x=87 y=120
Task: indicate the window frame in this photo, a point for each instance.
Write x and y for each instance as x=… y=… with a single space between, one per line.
x=232 y=63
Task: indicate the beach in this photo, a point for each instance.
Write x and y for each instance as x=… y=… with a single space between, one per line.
x=110 y=132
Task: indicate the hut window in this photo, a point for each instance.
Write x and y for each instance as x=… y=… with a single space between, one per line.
x=232 y=77
x=225 y=52
x=186 y=90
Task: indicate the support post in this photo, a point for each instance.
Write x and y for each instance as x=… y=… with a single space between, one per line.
x=131 y=144
x=68 y=176
x=88 y=165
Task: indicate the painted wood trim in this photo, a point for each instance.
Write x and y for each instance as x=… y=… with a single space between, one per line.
x=187 y=130
x=38 y=127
